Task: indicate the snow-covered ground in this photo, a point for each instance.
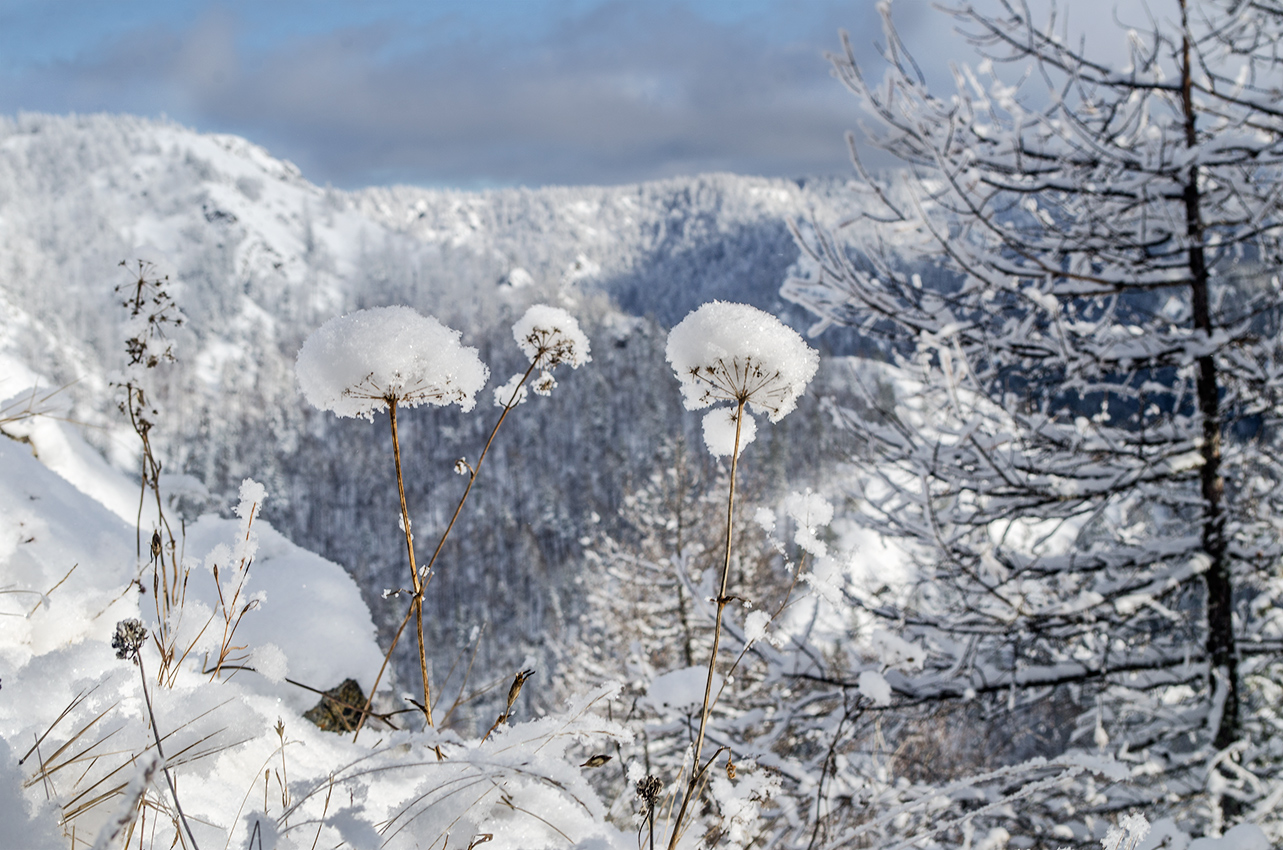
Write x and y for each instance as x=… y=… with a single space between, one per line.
x=74 y=728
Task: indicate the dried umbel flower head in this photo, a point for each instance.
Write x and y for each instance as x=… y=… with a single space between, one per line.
x=360 y=363
x=129 y=638
x=649 y=788
x=735 y=353
x=549 y=337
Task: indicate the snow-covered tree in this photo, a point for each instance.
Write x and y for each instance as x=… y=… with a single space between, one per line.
x=1084 y=447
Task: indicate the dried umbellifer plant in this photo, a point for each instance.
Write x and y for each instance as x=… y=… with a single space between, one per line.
x=733 y=353
x=389 y=357
x=152 y=314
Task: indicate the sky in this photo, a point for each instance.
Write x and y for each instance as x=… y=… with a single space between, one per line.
x=470 y=93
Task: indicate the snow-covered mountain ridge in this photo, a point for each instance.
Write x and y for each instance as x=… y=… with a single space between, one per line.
x=258 y=258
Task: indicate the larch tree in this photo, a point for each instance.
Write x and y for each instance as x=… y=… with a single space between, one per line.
x=1087 y=464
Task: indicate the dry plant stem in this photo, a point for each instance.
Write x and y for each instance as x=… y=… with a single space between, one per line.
x=722 y=600
x=155 y=731
x=420 y=586
x=416 y=604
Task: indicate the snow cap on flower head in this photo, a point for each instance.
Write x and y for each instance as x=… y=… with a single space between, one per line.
x=354 y=364
x=737 y=353
x=549 y=337
x=725 y=352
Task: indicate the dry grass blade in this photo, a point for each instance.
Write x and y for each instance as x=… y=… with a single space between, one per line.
x=44 y=597
x=48 y=768
x=71 y=706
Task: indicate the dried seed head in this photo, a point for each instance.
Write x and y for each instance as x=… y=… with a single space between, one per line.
x=544 y=384
x=649 y=788
x=128 y=638
x=517 y=682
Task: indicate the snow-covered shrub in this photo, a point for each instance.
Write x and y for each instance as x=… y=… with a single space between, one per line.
x=734 y=353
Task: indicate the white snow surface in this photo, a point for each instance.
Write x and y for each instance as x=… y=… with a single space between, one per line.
x=732 y=352
x=354 y=363
x=67 y=570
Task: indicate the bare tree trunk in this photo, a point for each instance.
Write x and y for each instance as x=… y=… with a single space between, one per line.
x=1220 y=588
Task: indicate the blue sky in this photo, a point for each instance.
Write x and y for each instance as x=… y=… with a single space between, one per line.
x=468 y=94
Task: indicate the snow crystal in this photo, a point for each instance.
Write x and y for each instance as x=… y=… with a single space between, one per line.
x=549 y=336
x=252 y=493
x=734 y=352
x=719 y=431
x=512 y=393
x=355 y=363
x=872 y=685
x=1130 y=830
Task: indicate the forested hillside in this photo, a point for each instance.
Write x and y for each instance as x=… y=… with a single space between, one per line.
x=258 y=258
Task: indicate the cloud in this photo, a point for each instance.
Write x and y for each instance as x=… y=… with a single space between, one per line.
x=598 y=91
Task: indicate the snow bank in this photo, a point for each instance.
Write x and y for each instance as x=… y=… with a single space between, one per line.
x=67 y=576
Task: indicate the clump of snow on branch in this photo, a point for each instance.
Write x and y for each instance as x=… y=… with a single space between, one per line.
x=894 y=651
x=811 y=512
x=740 y=802
x=875 y=687
x=549 y=337
x=734 y=352
x=356 y=364
x=512 y=393
x=756 y=626
x=1129 y=832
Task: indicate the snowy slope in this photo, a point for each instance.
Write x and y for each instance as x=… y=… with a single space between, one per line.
x=258 y=258
x=68 y=566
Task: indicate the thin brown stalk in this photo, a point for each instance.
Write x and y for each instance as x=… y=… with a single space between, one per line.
x=421 y=586
x=692 y=787
x=155 y=730
x=324 y=811
x=416 y=602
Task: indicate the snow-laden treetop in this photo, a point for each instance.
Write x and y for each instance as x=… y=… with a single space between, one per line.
x=734 y=352
x=356 y=364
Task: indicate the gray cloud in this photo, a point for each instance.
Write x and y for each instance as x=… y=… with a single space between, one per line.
x=624 y=91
